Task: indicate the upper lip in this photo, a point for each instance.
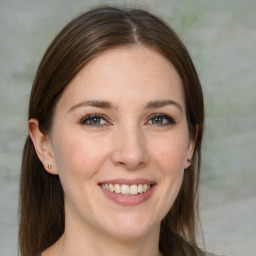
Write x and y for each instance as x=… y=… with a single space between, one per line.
x=128 y=181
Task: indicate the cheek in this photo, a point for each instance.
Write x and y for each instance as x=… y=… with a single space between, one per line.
x=171 y=155
x=78 y=157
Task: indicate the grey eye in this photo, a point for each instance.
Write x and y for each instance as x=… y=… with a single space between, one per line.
x=158 y=120
x=161 y=119
x=93 y=120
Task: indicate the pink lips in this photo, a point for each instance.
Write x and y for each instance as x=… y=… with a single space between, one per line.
x=128 y=200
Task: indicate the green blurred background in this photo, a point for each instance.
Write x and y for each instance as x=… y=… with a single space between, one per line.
x=221 y=37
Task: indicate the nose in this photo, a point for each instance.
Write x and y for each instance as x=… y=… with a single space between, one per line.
x=130 y=149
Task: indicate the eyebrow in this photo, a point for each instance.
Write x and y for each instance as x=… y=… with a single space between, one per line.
x=162 y=103
x=108 y=105
x=94 y=103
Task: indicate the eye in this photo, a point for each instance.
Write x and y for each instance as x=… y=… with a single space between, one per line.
x=94 y=120
x=161 y=119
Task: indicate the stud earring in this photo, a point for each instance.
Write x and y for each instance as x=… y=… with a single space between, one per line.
x=189 y=160
x=49 y=166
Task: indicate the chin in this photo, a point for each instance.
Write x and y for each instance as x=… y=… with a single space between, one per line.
x=129 y=227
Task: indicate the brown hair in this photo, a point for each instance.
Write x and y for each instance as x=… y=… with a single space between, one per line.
x=41 y=195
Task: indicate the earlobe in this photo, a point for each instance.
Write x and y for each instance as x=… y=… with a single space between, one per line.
x=191 y=148
x=42 y=146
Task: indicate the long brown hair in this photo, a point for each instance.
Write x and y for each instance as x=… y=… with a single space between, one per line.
x=41 y=195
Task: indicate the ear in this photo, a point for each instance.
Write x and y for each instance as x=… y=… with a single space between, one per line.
x=43 y=147
x=191 y=147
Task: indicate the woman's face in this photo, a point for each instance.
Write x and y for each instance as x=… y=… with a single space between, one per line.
x=120 y=143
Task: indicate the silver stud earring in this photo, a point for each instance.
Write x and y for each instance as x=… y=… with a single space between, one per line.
x=49 y=166
x=189 y=160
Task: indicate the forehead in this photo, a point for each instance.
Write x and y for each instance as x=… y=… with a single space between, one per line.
x=136 y=72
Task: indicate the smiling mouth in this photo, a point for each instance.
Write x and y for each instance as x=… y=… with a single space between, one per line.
x=125 y=189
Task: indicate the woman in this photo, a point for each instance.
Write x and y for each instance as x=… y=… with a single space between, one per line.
x=111 y=164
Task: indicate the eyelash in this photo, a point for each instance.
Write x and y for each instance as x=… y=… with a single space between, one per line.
x=91 y=117
x=84 y=120
x=170 y=120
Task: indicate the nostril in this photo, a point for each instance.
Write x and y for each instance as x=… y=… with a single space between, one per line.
x=130 y=151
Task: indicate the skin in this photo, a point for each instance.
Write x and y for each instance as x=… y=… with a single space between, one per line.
x=127 y=143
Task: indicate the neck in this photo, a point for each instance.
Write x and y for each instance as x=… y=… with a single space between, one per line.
x=82 y=238
x=72 y=243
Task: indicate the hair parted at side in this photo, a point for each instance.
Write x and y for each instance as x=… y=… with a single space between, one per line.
x=41 y=195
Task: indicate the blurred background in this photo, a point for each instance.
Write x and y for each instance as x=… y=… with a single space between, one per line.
x=221 y=37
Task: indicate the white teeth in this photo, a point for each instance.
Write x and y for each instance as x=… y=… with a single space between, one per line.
x=111 y=188
x=140 y=189
x=145 y=187
x=126 y=189
x=118 y=189
x=134 y=190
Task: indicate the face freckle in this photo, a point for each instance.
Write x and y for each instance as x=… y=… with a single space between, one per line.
x=121 y=89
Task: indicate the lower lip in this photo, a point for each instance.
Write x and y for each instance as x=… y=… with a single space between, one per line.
x=129 y=200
